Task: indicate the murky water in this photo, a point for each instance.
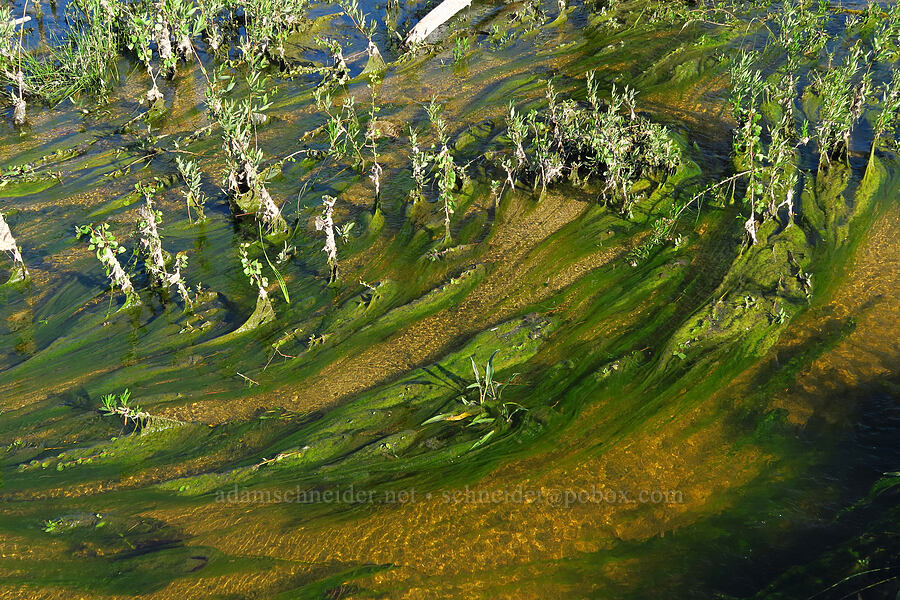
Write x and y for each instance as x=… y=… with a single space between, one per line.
x=757 y=464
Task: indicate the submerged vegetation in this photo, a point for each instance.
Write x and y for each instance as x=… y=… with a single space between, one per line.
x=541 y=245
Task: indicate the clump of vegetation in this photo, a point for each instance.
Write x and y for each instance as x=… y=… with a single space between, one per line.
x=801 y=29
x=886 y=37
x=888 y=118
x=82 y=64
x=419 y=165
x=769 y=170
x=487 y=407
x=489 y=389
x=8 y=244
x=117 y=405
x=460 y=48
x=11 y=56
x=367 y=28
x=843 y=91
x=746 y=89
x=603 y=140
x=444 y=167
x=252 y=268
x=107 y=249
x=348 y=138
x=155 y=261
x=245 y=177
x=150 y=242
x=373 y=132
x=268 y=23
x=343 y=126
x=193 y=195
x=530 y=14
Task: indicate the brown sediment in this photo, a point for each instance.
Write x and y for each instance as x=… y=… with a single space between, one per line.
x=870 y=351
x=508 y=254
x=420 y=539
x=676 y=449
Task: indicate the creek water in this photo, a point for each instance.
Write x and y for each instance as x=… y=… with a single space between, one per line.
x=666 y=432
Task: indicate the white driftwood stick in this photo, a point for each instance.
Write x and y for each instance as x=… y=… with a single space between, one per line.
x=439 y=15
x=20 y=21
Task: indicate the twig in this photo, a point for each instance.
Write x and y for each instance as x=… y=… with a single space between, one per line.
x=251 y=381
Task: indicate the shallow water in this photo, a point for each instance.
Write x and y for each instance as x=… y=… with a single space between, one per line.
x=755 y=466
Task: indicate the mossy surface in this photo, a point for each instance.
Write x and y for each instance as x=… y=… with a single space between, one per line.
x=739 y=376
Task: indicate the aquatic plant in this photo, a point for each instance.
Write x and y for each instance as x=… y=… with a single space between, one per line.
x=843 y=91
x=605 y=140
x=346 y=138
x=252 y=268
x=886 y=37
x=889 y=116
x=530 y=14
x=84 y=62
x=11 y=52
x=373 y=132
x=444 y=167
x=9 y=48
x=487 y=408
x=746 y=88
x=499 y=37
x=770 y=171
x=8 y=244
x=117 y=405
x=325 y=223
x=801 y=29
x=489 y=389
x=780 y=173
x=245 y=176
x=343 y=231
x=517 y=130
x=460 y=48
x=151 y=245
x=193 y=196
x=155 y=261
x=141 y=34
x=367 y=28
x=419 y=166
x=107 y=249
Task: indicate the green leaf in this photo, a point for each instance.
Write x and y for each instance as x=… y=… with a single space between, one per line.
x=483 y=439
x=481 y=419
x=436 y=418
x=489 y=370
x=281 y=282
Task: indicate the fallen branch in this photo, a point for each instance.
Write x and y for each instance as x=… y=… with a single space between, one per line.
x=439 y=15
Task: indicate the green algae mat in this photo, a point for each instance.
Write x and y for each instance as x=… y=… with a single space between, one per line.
x=572 y=300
